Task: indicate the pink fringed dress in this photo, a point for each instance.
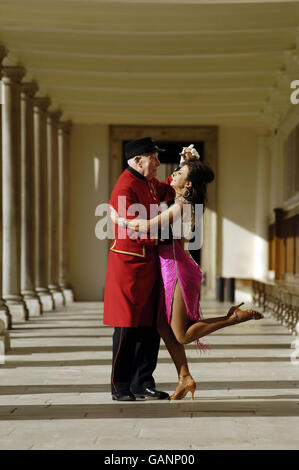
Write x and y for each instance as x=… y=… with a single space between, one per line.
x=177 y=265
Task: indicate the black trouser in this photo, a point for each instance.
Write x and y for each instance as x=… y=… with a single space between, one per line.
x=135 y=355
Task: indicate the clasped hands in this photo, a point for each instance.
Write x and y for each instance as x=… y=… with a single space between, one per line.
x=140 y=225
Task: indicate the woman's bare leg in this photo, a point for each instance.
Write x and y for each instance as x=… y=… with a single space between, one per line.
x=179 y=321
x=178 y=355
x=175 y=349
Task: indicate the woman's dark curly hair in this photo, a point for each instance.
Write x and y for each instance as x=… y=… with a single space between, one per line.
x=199 y=175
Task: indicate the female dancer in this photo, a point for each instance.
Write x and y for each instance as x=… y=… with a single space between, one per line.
x=180 y=319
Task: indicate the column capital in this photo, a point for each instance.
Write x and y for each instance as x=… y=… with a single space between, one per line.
x=65 y=126
x=28 y=89
x=3 y=52
x=42 y=102
x=12 y=74
x=54 y=115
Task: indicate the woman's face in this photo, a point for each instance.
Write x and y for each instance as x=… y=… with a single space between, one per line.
x=179 y=177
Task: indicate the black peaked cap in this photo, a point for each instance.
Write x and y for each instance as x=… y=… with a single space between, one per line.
x=141 y=146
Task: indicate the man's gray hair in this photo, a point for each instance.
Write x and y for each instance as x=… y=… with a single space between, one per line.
x=147 y=154
x=131 y=161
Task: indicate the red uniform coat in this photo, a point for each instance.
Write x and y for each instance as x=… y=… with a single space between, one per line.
x=132 y=277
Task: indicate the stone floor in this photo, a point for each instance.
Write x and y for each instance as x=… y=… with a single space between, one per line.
x=55 y=393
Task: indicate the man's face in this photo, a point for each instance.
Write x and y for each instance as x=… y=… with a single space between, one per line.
x=150 y=165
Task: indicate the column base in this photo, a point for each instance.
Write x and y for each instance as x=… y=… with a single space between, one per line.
x=47 y=301
x=57 y=295
x=18 y=312
x=4 y=341
x=59 y=299
x=5 y=316
x=34 y=306
x=4 y=345
x=68 y=295
x=2 y=349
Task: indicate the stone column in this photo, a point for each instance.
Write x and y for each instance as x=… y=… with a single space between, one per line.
x=31 y=298
x=52 y=167
x=41 y=105
x=64 y=208
x=11 y=194
x=5 y=318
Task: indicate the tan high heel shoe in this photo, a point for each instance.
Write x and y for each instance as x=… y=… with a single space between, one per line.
x=238 y=316
x=189 y=387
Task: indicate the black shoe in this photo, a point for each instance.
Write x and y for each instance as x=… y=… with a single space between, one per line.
x=123 y=396
x=152 y=394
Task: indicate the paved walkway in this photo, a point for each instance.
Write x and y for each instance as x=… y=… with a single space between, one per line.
x=55 y=392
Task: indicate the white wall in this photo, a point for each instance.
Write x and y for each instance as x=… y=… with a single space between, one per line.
x=88 y=188
x=242 y=239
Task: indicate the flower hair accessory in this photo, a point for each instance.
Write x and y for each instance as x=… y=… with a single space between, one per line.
x=191 y=149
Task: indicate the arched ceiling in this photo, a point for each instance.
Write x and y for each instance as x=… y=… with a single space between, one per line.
x=156 y=62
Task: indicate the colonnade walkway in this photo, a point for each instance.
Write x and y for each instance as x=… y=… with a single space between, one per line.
x=55 y=391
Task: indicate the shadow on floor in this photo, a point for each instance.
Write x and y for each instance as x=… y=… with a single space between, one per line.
x=107 y=362
x=105 y=388
x=15 y=351
x=151 y=410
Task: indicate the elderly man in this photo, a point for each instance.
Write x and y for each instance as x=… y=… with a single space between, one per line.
x=132 y=278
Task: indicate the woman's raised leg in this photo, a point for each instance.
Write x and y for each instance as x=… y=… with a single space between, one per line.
x=186 y=333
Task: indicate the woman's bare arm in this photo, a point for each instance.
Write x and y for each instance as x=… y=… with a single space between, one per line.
x=145 y=225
